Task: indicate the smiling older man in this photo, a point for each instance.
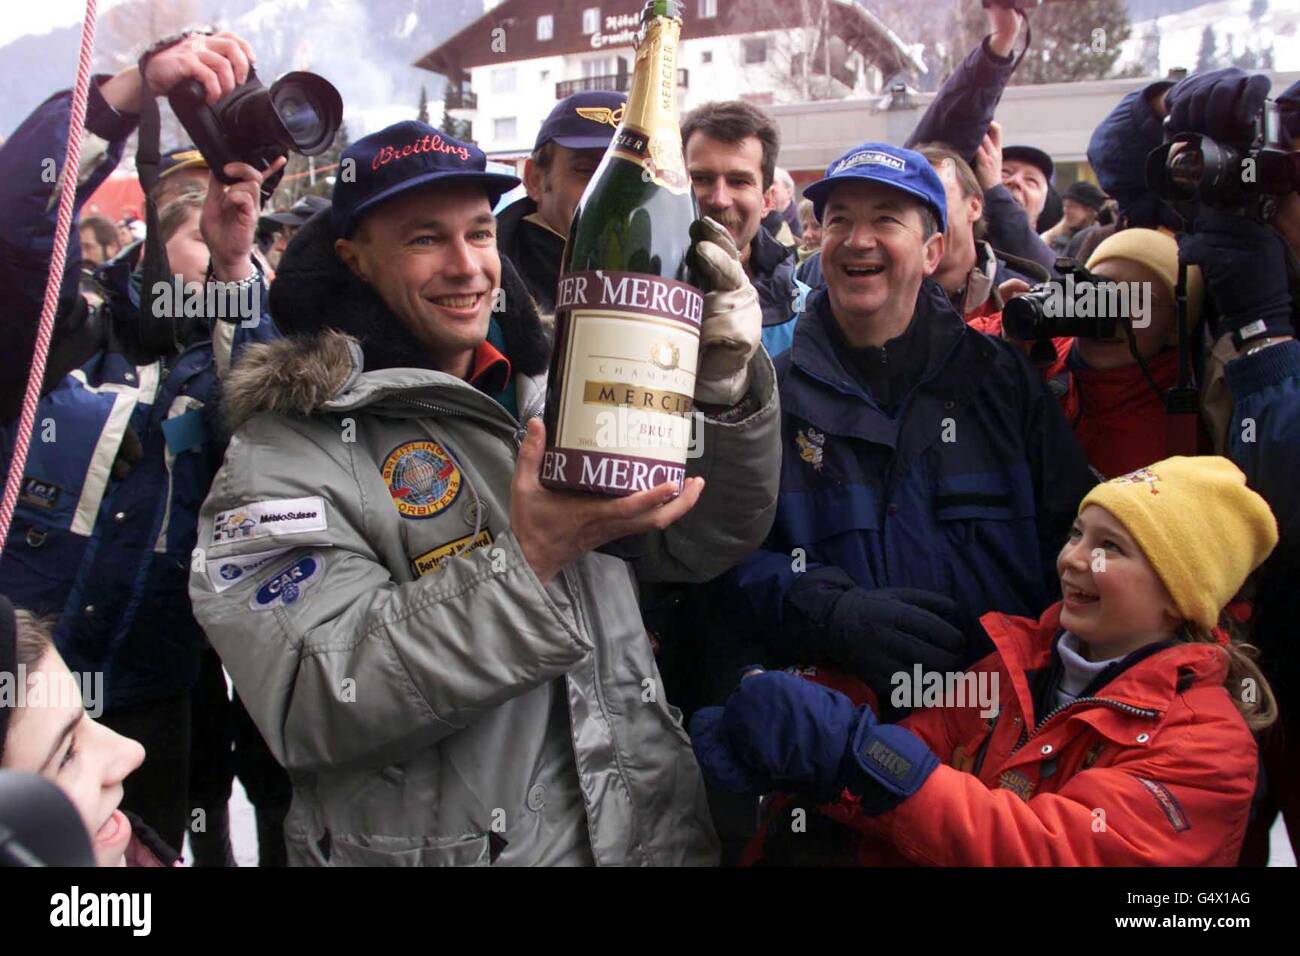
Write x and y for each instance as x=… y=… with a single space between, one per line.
x=919 y=454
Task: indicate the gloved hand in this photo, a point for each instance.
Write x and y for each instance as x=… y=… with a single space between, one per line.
x=781 y=732
x=1219 y=104
x=1245 y=267
x=732 y=324
x=875 y=633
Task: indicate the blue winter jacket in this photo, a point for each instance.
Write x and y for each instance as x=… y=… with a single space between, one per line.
x=125 y=444
x=1264 y=442
x=968 y=489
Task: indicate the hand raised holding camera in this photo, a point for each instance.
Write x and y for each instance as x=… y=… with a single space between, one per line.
x=218 y=63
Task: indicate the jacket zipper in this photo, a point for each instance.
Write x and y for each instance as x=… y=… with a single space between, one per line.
x=1026 y=734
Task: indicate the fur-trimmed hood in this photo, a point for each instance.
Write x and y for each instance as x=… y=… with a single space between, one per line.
x=336 y=327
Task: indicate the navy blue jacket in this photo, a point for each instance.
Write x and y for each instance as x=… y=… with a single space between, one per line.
x=1264 y=442
x=125 y=444
x=959 y=115
x=968 y=490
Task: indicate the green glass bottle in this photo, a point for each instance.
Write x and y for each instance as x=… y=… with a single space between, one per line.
x=627 y=329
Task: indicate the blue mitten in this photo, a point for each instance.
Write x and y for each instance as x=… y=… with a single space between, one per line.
x=1244 y=264
x=1220 y=104
x=781 y=732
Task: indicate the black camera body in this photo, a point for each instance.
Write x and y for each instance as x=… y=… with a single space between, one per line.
x=253 y=124
x=1245 y=178
x=1057 y=309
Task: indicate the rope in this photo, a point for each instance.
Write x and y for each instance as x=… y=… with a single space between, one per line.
x=63 y=227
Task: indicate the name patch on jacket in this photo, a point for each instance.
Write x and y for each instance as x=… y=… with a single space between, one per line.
x=39 y=494
x=262 y=519
x=1168 y=803
x=432 y=560
x=227 y=572
x=422 y=478
x=286 y=585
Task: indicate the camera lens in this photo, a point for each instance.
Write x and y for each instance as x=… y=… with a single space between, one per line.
x=299 y=116
x=310 y=111
x=1186 y=169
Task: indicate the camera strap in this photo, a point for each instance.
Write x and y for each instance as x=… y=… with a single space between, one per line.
x=157 y=331
x=1182 y=402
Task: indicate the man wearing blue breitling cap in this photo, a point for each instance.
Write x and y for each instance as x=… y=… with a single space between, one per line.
x=428 y=639
x=927 y=474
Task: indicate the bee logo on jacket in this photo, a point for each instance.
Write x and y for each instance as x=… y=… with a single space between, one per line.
x=422 y=478
x=812 y=446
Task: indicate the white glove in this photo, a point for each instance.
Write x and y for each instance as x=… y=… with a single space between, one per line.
x=732 y=325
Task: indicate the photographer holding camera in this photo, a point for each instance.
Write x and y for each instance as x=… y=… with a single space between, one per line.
x=1245 y=235
x=126 y=442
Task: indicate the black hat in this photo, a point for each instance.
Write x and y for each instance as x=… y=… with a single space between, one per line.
x=1032 y=155
x=1086 y=194
x=405 y=156
x=299 y=212
x=583 y=121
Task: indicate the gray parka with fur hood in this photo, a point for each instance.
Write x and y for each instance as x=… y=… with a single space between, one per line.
x=433 y=701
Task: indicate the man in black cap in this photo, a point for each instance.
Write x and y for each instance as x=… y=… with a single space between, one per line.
x=284 y=224
x=531 y=232
x=1080 y=205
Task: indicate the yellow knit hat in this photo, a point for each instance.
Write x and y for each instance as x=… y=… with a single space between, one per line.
x=1158 y=251
x=1197 y=523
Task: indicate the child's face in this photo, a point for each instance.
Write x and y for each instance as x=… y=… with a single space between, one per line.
x=1113 y=601
x=86 y=760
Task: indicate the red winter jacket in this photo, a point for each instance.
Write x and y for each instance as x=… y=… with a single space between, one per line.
x=1158 y=770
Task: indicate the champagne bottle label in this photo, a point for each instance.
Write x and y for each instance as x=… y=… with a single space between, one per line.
x=648 y=135
x=624 y=424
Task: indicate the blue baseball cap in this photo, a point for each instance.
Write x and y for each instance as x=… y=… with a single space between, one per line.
x=403 y=157
x=903 y=169
x=583 y=121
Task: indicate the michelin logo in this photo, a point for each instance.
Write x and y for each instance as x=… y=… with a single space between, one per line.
x=270 y=518
x=286 y=585
x=870 y=156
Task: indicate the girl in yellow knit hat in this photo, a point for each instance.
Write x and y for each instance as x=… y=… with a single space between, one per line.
x=1122 y=733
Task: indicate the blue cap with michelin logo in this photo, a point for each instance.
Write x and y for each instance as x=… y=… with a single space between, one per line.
x=402 y=157
x=583 y=121
x=903 y=169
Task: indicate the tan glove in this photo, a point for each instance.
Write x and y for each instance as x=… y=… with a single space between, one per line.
x=733 y=321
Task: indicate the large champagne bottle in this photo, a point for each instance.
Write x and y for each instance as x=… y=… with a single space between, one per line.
x=627 y=328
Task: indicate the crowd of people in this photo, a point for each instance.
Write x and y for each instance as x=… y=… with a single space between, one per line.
x=333 y=498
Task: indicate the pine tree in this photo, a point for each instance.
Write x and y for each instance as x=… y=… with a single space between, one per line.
x=1207 y=58
x=423 y=114
x=1257 y=9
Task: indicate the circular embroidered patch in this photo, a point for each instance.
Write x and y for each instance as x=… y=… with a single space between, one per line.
x=422 y=478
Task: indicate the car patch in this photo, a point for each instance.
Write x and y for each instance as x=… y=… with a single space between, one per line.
x=261 y=519
x=422 y=478
x=287 y=584
x=432 y=560
x=227 y=572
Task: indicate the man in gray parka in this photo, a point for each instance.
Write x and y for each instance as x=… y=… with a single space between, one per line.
x=429 y=640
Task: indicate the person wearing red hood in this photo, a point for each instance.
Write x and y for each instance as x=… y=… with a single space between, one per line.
x=1118 y=733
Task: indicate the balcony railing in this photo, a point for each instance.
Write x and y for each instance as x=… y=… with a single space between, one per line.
x=461 y=100
x=607 y=83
